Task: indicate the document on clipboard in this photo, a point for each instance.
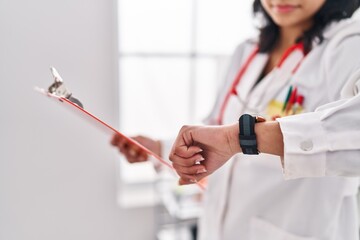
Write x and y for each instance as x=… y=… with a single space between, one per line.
x=60 y=94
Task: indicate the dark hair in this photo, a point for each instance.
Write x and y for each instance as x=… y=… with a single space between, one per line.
x=332 y=10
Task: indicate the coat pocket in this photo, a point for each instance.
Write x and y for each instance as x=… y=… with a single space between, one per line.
x=261 y=229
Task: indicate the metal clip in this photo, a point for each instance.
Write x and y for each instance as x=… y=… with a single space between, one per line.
x=58 y=88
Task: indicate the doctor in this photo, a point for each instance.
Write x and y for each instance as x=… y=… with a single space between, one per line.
x=303 y=58
x=304 y=153
x=247 y=198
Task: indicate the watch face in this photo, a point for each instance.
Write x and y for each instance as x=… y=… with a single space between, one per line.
x=247 y=136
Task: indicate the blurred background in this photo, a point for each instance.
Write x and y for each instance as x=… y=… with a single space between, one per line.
x=143 y=66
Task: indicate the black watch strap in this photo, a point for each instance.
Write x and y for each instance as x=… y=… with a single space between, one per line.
x=247 y=136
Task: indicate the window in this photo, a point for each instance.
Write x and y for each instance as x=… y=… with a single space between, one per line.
x=173 y=53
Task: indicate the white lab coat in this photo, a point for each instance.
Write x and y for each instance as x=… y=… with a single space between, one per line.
x=248 y=198
x=337 y=154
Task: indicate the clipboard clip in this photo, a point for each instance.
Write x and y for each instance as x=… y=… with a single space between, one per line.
x=58 y=88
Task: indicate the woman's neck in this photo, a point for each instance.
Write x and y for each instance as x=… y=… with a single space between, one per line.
x=287 y=38
x=289 y=35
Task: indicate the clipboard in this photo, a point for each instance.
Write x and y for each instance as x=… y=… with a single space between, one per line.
x=58 y=93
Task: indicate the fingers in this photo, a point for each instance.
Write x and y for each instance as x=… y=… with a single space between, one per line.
x=187 y=152
x=134 y=156
x=115 y=139
x=183 y=181
x=189 y=169
x=184 y=156
x=132 y=152
x=186 y=179
x=195 y=169
x=187 y=162
x=190 y=174
x=187 y=158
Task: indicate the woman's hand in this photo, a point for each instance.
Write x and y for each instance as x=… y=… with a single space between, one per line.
x=198 y=151
x=132 y=152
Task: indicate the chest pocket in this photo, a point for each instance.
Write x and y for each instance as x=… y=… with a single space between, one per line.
x=289 y=101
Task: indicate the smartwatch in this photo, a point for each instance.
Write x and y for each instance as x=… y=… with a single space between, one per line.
x=247 y=136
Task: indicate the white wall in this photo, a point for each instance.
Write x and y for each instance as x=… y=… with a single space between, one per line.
x=57 y=173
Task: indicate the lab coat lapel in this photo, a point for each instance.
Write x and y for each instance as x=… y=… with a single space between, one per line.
x=251 y=75
x=238 y=103
x=280 y=77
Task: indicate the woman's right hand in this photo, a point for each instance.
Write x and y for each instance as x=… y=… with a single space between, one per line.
x=132 y=152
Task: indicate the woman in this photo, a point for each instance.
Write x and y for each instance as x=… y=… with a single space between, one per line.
x=303 y=57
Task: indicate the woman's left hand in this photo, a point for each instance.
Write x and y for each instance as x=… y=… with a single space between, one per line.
x=198 y=151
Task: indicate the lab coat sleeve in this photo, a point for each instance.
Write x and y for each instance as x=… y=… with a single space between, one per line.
x=323 y=143
x=327 y=142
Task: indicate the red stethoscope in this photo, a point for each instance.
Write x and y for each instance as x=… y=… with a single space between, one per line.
x=245 y=66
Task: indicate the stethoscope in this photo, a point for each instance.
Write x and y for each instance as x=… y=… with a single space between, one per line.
x=232 y=90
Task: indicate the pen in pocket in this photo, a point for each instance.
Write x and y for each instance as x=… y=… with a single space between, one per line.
x=298 y=104
x=291 y=101
x=287 y=98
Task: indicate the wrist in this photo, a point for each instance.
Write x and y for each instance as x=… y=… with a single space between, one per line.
x=270 y=138
x=233 y=138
